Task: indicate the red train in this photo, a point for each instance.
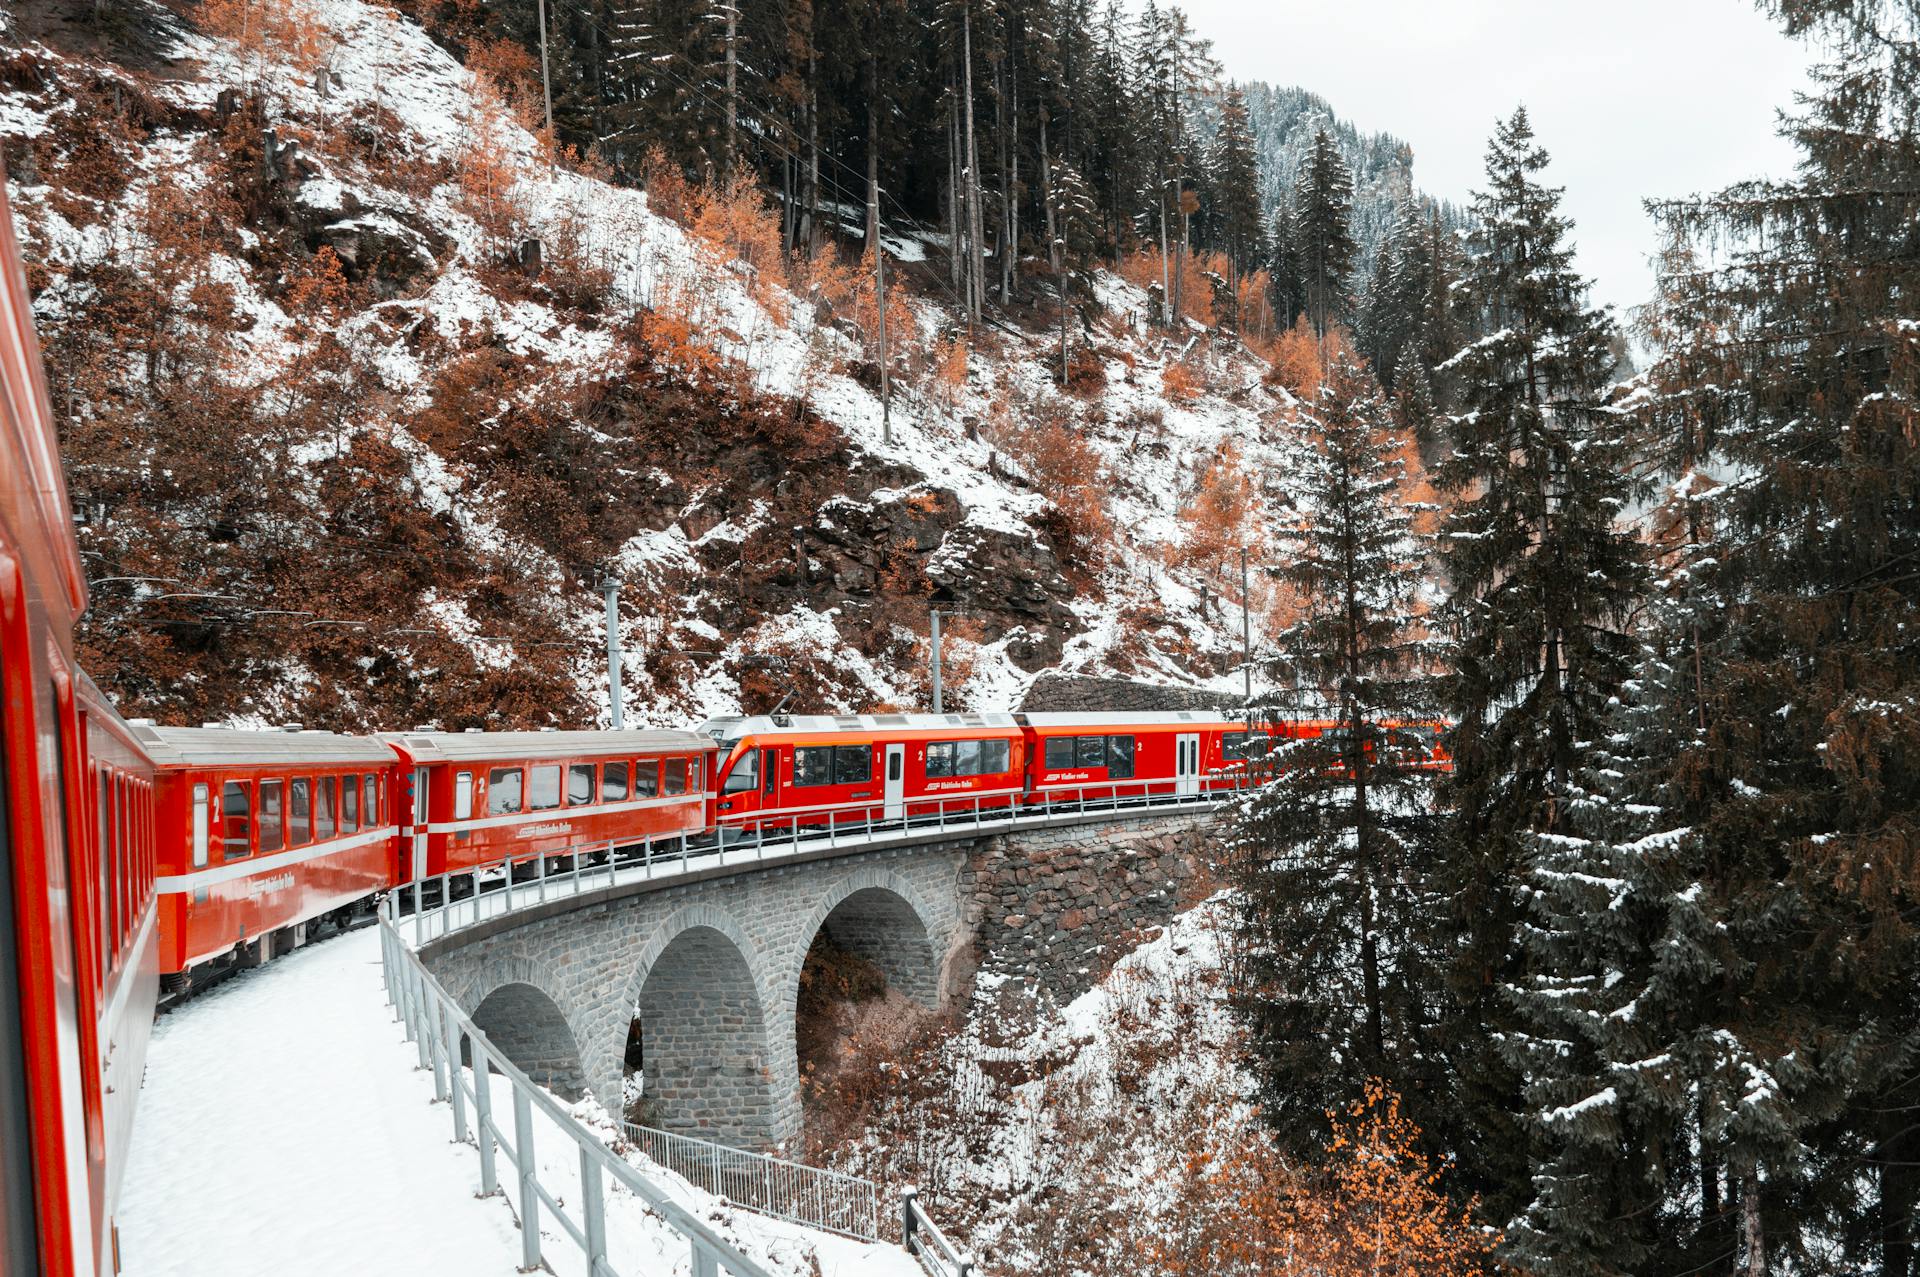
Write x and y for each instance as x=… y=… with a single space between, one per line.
x=78 y=956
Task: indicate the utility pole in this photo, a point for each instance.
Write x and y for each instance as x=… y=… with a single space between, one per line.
x=612 y=586
x=733 y=100
x=936 y=662
x=1246 y=632
x=546 y=84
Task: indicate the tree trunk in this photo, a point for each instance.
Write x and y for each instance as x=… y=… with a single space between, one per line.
x=813 y=152
x=1752 y=1235
x=976 y=228
x=954 y=235
x=733 y=87
x=1046 y=198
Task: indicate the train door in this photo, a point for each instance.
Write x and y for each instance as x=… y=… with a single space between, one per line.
x=896 y=807
x=1186 y=764
x=419 y=823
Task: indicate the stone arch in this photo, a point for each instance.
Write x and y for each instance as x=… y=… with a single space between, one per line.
x=881 y=917
x=525 y=1023
x=706 y=1057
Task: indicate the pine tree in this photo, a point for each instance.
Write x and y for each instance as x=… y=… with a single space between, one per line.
x=1542 y=582
x=1233 y=172
x=1322 y=234
x=1793 y=365
x=1331 y=856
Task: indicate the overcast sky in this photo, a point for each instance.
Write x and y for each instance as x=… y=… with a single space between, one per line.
x=1632 y=98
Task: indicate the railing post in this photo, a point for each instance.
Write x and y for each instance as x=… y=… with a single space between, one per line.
x=483 y=1117
x=454 y=1093
x=529 y=1195
x=909 y=1225
x=430 y=1015
x=646 y=855
x=593 y=1211
x=540 y=875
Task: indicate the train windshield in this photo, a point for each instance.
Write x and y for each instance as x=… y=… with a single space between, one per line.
x=745 y=774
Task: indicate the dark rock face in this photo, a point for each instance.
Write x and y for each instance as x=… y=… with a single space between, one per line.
x=1075 y=693
x=1056 y=909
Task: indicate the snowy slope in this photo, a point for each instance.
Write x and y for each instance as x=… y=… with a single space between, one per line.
x=285 y=1126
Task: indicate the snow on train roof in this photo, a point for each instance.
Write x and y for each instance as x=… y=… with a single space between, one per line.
x=476 y=746
x=1143 y=718
x=229 y=747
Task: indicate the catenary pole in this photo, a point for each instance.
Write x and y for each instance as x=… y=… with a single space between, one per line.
x=546 y=83
x=937 y=708
x=614 y=697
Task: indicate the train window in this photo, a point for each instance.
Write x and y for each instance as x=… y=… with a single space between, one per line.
x=103 y=844
x=613 y=782
x=272 y=809
x=966 y=758
x=852 y=765
x=463 y=803
x=504 y=791
x=326 y=790
x=122 y=839
x=202 y=825
x=745 y=775
x=772 y=768
x=813 y=765
x=1089 y=751
x=350 y=805
x=543 y=793
x=370 y=799
x=996 y=756
x=1233 y=745
x=646 y=778
x=299 y=812
x=940 y=758
x=694 y=769
x=674 y=775
x=236 y=819
x=1059 y=752
x=580 y=784
x=1119 y=757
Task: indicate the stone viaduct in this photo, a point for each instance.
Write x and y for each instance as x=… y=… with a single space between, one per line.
x=709 y=962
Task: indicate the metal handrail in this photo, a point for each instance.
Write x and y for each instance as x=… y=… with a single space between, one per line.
x=827 y=1200
x=498 y=887
x=434 y=1021
x=926 y=1243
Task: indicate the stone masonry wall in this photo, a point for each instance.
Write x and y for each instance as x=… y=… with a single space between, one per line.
x=1058 y=907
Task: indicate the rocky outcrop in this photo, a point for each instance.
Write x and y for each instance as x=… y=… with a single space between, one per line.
x=1076 y=693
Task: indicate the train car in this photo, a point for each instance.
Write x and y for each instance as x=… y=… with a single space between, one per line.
x=829 y=771
x=76 y=910
x=265 y=836
x=478 y=798
x=1115 y=757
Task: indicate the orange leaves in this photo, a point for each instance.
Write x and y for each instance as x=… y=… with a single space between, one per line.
x=735 y=225
x=1300 y=358
x=489 y=171
x=1374 y=1209
x=506 y=70
x=1220 y=517
x=1253 y=296
x=1180 y=382
x=285 y=29
x=1185 y=275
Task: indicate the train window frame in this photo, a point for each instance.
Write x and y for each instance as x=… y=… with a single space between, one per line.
x=538 y=777
x=996 y=756
x=245 y=790
x=575 y=771
x=646 y=778
x=349 y=804
x=202 y=824
x=278 y=825
x=771 y=758
x=939 y=762
x=1120 y=759
x=852 y=764
x=462 y=803
x=812 y=766
x=966 y=758
x=612 y=791
x=299 y=823
x=744 y=776
x=504 y=784
x=370 y=800
x=673 y=777
x=696 y=769
x=326 y=807
x=1089 y=752
x=1051 y=754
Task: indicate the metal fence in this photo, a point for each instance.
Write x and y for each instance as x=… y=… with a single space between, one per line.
x=807 y=1195
x=464 y=898
x=926 y=1243
x=445 y=1037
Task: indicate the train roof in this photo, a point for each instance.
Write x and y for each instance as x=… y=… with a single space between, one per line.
x=428 y=747
x=230 y=747
x=731 y=729
x=1132 y=718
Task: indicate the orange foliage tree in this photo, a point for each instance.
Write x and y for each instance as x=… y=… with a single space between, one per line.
x=1195 y=289
x=1374 y=1209
x=1219 y=519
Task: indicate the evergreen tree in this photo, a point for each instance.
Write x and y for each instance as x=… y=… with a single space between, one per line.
x=1542 y=581
x=1237 y=223
x=1322 y=234
x=1793 y=364
x=1330 y=856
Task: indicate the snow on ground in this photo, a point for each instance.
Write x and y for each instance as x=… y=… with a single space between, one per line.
x=285 y=1127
